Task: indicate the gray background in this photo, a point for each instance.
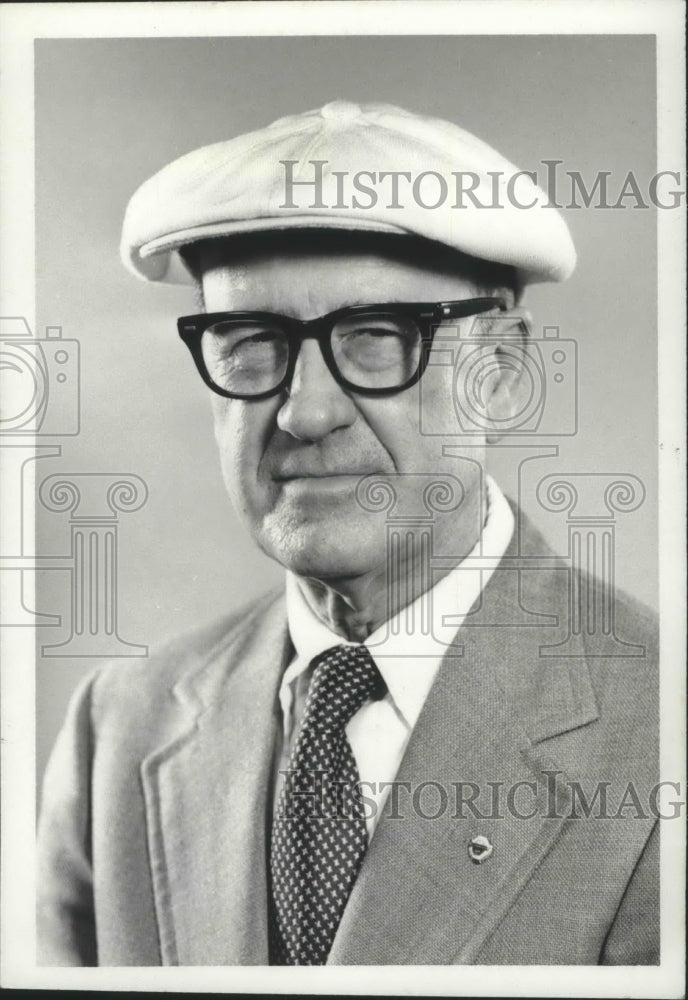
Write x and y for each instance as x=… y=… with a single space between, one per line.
x=111 y=112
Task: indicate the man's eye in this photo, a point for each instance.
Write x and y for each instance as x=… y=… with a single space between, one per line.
x=231 y=334
x=229 y=348
x=375 y=333
x=376 y=338
x=254 y=341
x=375 y=348
x=227 y=337
x=259 y=349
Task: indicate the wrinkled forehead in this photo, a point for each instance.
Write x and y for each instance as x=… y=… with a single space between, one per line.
x=307 y=273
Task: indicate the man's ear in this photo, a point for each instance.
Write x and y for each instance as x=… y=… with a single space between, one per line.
x=505 y=346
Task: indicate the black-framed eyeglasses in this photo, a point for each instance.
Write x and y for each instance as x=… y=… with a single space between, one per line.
x=373 y=350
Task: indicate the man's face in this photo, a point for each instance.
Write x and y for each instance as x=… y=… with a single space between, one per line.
x=291 y=463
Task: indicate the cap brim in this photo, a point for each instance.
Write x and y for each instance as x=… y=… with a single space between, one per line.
x=158 y=260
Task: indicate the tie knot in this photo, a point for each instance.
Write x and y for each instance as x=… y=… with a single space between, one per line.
x=343 y=677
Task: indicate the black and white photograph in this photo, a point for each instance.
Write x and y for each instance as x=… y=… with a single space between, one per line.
x=343 y=448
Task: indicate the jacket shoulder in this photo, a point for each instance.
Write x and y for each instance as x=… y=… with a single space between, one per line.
x=614 y=648
x=625 y=679
x=636 y=619
x=137 y=684
x=632 y=659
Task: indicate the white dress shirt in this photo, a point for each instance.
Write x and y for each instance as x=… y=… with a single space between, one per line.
x=379 y=732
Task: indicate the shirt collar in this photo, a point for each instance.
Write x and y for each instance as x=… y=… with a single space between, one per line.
x=408 y=674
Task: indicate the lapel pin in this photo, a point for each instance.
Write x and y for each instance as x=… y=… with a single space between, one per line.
x=479 y=849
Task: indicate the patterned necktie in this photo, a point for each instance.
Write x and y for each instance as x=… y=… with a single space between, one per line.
x=319 y=831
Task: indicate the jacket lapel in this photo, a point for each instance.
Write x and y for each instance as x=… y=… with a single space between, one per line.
x=207 y=795
x=419 y=897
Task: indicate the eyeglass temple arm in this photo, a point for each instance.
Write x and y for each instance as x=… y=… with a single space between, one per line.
x=469 y=307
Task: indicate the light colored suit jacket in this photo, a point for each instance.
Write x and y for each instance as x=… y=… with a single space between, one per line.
x=155 y=824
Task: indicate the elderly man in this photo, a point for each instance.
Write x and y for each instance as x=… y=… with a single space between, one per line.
x=381 y=765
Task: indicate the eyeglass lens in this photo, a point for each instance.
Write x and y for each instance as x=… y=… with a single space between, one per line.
x=373 y=350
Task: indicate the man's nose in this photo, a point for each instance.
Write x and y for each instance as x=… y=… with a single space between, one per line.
x=316 y=404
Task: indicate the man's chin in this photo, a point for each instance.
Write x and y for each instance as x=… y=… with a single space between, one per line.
x=329 y=568
x=322 y=552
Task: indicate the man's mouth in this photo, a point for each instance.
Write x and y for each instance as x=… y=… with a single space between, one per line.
x=315 y=467
x=285 y=477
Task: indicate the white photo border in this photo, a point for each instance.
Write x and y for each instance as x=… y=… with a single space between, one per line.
x=20 y=25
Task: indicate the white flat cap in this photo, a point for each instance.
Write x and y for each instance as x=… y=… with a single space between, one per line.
x=372 y=167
